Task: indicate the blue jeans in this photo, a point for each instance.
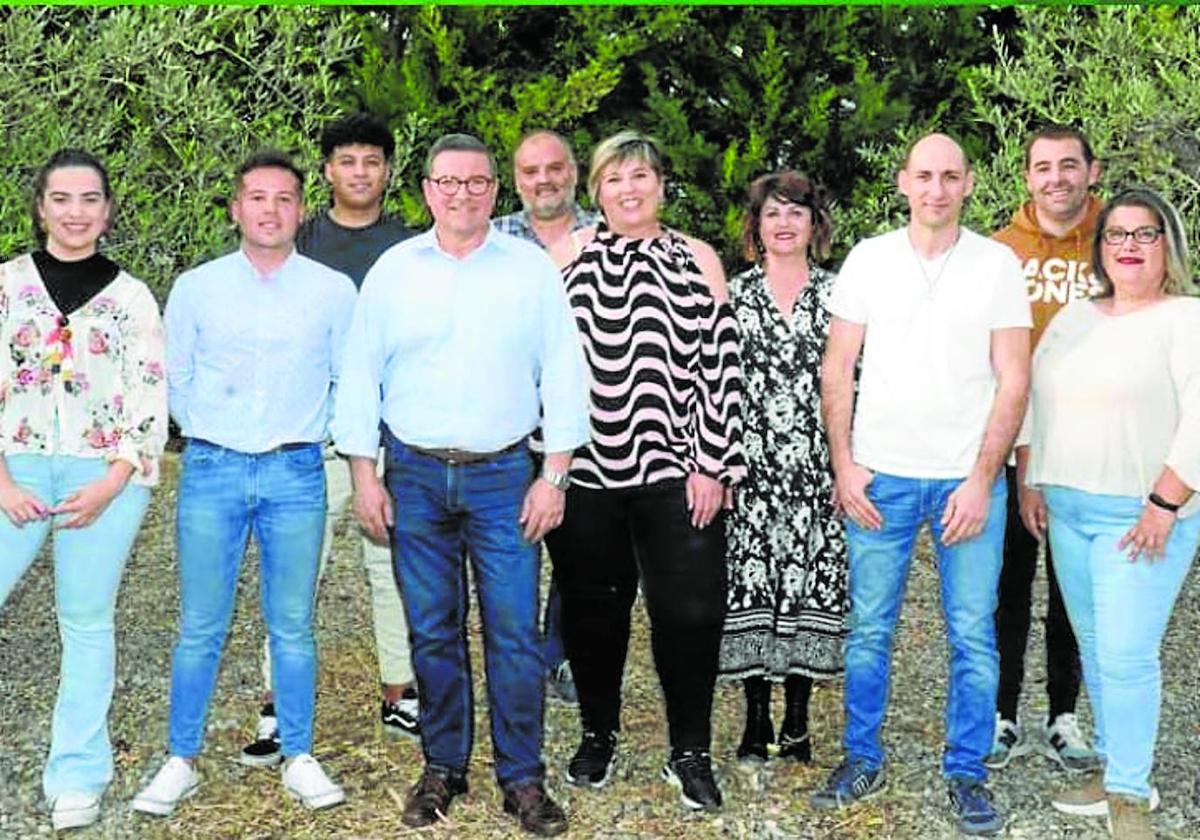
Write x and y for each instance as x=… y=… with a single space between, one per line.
x=224 y=496
x=88 y=563
x=970 y=572
x=440 y=508
x=1119 y=611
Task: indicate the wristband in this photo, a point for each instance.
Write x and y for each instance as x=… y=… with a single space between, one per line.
x=1159 y=502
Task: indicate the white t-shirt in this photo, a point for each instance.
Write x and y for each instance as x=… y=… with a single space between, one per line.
x=1116 y=398
x=927 y=384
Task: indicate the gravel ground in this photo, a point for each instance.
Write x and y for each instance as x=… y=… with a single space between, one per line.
x=376 y=770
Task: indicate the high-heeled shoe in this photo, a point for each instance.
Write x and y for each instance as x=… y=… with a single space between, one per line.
x=796 y=748
x=794 y=743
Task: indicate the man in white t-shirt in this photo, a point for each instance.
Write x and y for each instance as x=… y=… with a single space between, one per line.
x=940 y=318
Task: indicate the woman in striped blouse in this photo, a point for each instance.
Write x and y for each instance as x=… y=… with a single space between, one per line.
x=648 y=492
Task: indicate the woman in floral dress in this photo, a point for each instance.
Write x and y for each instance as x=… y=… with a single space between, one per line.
x=83 y=421
x=787 y=565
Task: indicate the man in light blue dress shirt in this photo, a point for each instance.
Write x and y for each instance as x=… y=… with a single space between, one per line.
x=462 y=338
x=254 y=342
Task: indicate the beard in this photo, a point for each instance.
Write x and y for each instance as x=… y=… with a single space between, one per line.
x=549 y=212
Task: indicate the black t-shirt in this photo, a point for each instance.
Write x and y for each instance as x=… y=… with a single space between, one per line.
x=351 y=251
x=72 y=284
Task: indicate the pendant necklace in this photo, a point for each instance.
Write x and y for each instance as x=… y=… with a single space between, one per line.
x=931 y=285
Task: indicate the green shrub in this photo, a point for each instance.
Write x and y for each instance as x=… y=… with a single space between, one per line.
x=171 y=99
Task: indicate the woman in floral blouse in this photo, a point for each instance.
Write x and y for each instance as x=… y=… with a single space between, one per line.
x=83 y=421
x=786 y=558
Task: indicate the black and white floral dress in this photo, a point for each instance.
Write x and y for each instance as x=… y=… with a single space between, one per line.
x=787 y=551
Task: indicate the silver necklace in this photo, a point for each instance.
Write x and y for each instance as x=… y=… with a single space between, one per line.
x=932 y=285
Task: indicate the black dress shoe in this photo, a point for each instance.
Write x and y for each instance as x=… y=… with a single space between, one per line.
x=430 y=798
x=535 y=810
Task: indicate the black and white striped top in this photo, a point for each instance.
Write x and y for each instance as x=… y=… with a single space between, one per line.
x=666 y=384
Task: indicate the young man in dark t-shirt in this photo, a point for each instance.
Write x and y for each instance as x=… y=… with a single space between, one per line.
x=349 y=236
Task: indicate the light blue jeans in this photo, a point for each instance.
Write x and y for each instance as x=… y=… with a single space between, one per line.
x=970 y=572
x=88 y=563
x=1119 y=611
x=224 y=496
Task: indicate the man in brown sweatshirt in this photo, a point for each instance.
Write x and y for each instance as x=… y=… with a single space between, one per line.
x=1052 y=236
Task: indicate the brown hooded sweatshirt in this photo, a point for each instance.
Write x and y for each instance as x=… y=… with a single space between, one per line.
x=1057 y=269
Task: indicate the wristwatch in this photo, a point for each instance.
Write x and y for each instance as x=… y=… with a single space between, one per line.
x=557 y=480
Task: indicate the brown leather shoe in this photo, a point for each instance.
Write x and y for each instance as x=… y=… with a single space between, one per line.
x=430 y=798
x=1129 y=818
x=535 y=810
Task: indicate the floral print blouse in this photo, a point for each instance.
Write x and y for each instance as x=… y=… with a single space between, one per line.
x=91 y=385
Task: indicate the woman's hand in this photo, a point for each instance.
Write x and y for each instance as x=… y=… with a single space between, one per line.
x=705 y=496
x=1033 y=511
x=21 y=506
x=91 y=500
x=1149 y=536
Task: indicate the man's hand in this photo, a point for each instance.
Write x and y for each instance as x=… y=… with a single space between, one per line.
x=543 y=509
x=1033 y=511
x=21 y=506
x=705 y=496
x=373 y=505
x=850 y=492
x=966 y=511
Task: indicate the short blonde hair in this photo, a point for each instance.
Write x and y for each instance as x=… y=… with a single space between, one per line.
x=615 y=150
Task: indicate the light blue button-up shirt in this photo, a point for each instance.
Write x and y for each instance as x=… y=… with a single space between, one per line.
x=462 y=353
x=251 y=360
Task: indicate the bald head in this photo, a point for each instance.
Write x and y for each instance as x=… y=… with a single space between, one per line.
x=936 y=143
x=936 y=178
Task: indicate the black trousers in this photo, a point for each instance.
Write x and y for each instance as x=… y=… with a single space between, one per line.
x=1013 y=618
x=607 y=539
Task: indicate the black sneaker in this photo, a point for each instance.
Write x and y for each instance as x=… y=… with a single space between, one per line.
x=690 y=772
x=264 y=750
x=404 y=716
x=593 y=762
x=851 y=782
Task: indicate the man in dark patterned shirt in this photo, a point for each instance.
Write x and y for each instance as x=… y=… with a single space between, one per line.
x=545 y=175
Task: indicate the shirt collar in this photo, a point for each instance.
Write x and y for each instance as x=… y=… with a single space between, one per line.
x=283 y=268
x=493 y=239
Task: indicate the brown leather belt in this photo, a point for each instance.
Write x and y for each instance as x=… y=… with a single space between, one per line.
x=464 y=456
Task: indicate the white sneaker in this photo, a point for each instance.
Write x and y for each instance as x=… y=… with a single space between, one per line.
x=74 y=809
x=1008 y=743
x=175 y=781
x=304 y=779
x=1066 y=745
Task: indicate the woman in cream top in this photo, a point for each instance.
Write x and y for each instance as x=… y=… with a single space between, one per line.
x=83 y=421
x=1111 y=457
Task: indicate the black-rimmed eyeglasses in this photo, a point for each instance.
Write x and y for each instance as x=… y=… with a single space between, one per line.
x=476 y=184
x=1145 y=235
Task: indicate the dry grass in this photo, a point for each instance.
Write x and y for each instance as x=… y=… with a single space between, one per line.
x=376 y=769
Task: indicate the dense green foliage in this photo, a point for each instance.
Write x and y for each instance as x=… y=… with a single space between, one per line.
x=1126 y=76
x=173 y=97
x=731 y=92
